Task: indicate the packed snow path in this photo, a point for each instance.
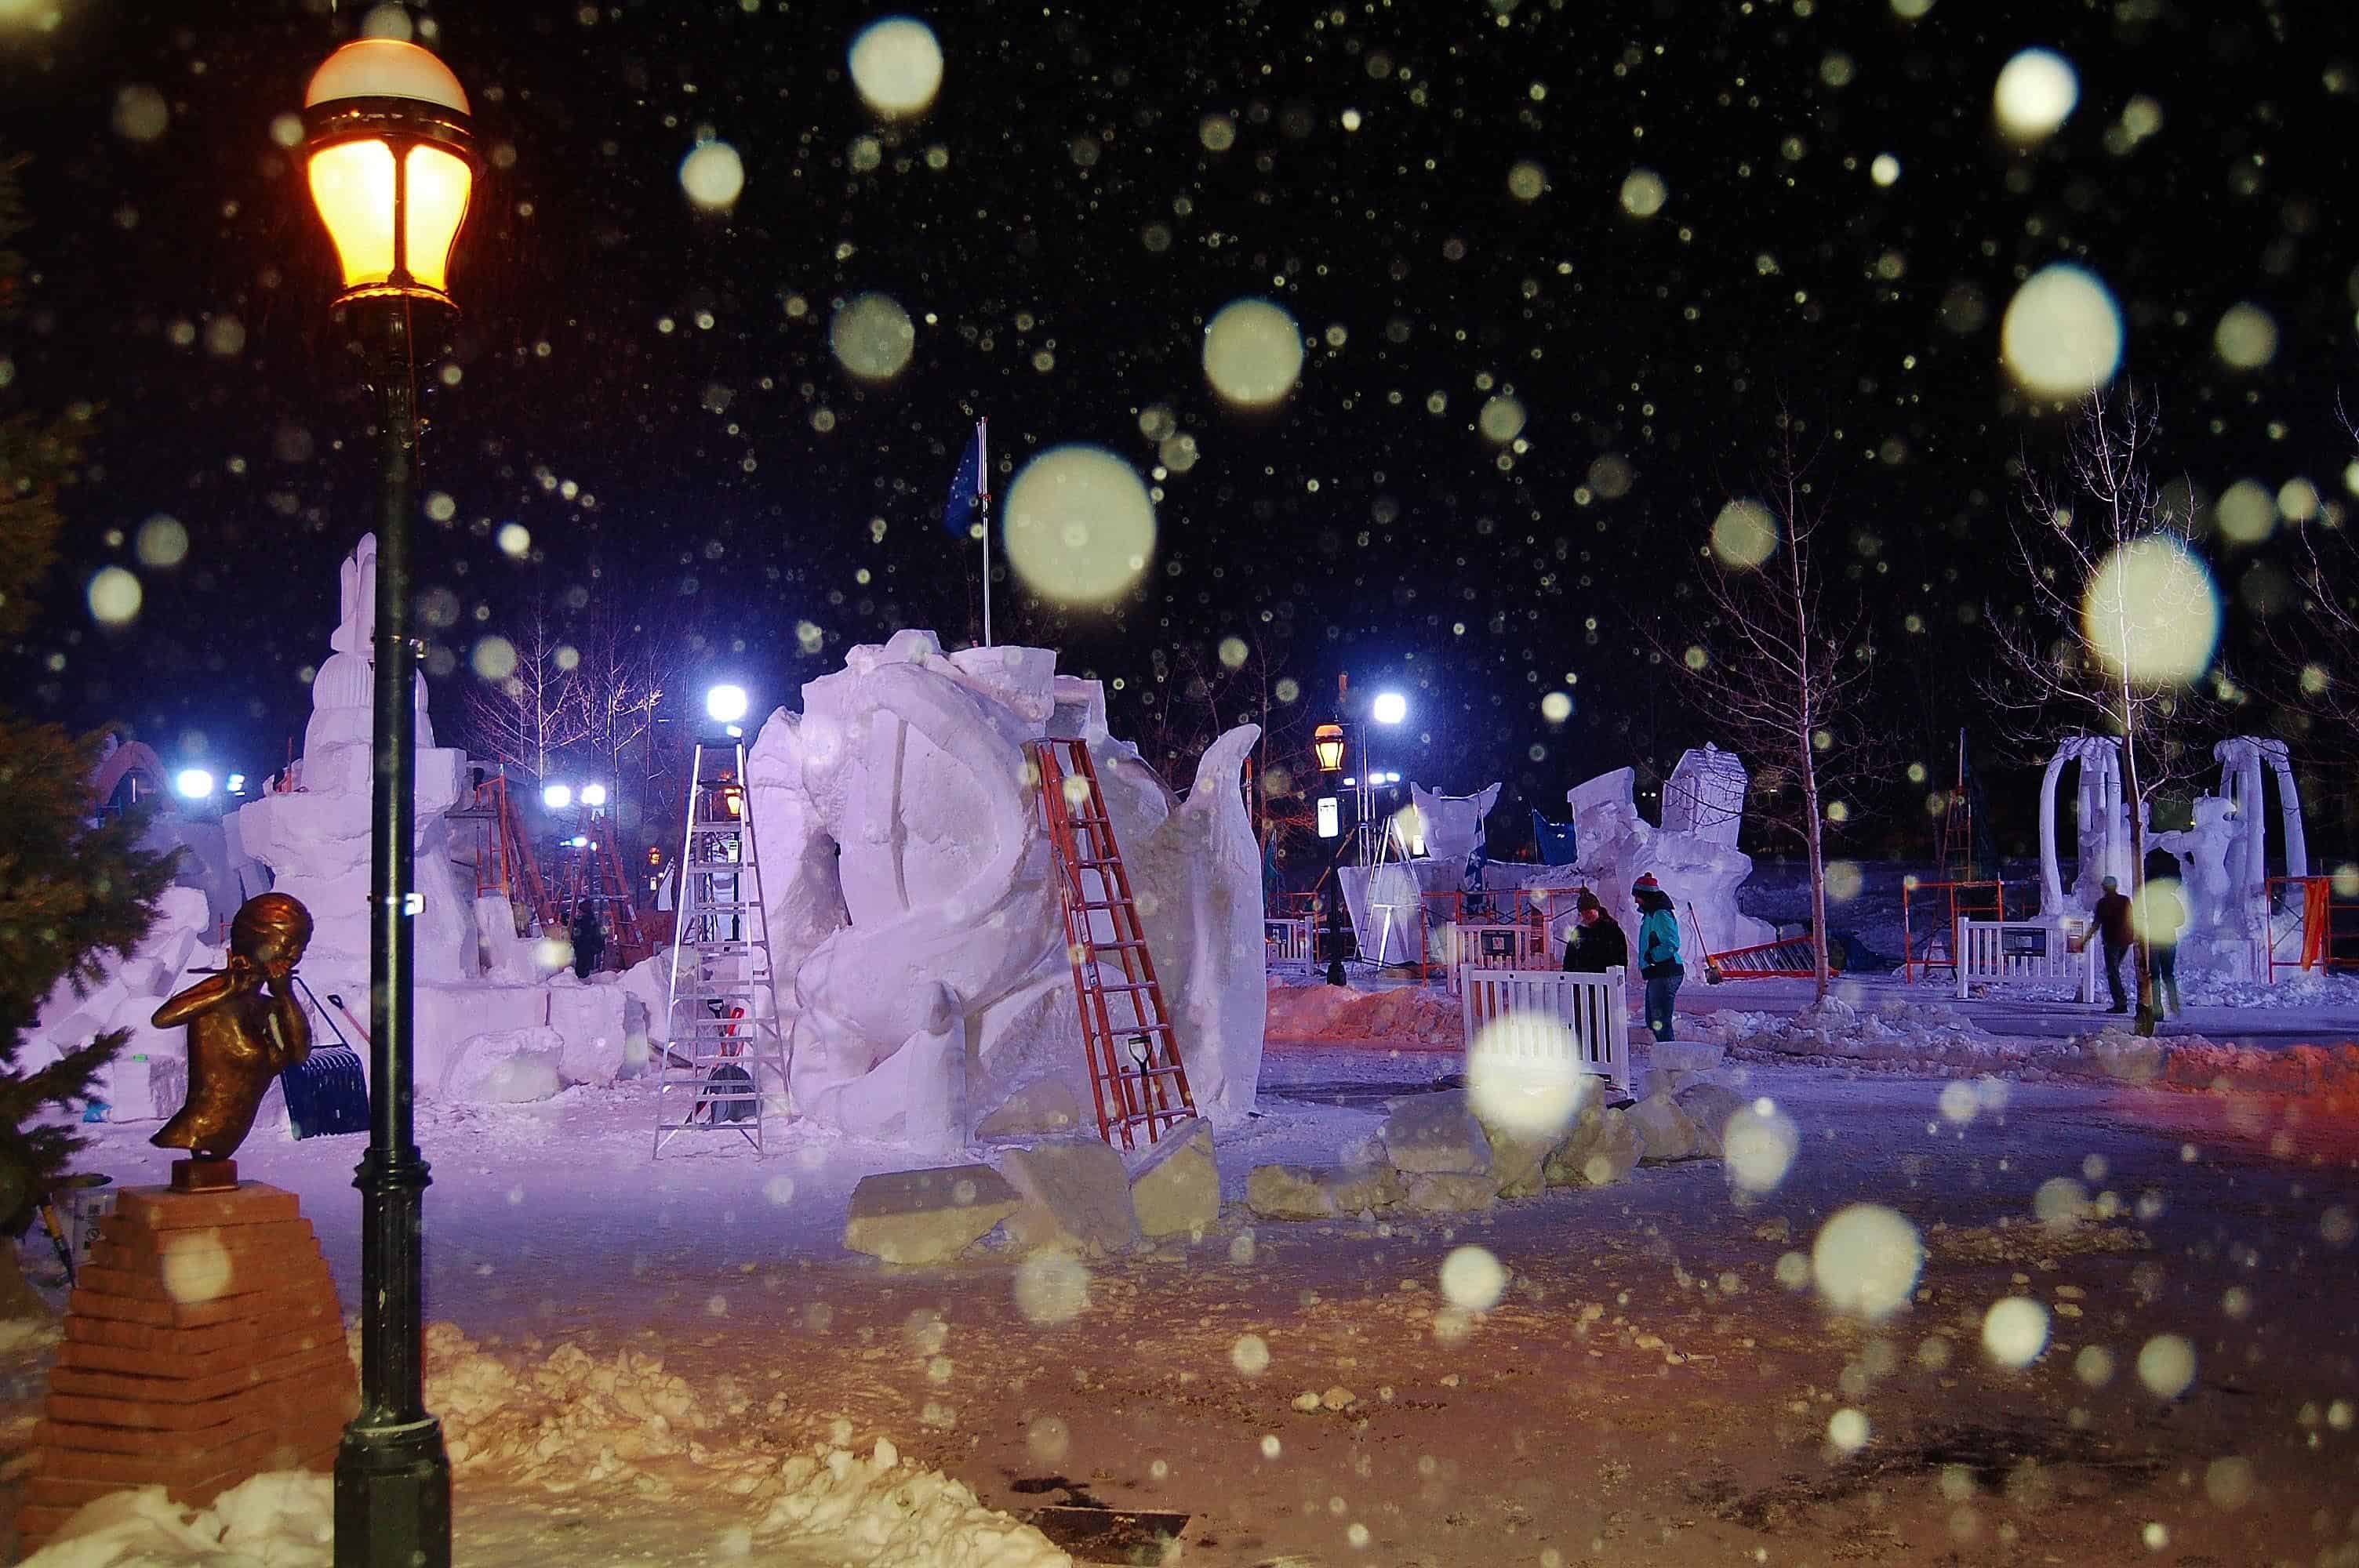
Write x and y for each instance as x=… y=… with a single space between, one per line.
x=1645 y=1390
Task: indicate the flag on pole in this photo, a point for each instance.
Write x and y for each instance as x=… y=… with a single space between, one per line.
x=967 y=492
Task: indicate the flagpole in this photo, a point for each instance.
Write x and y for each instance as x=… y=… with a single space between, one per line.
x=982 y=493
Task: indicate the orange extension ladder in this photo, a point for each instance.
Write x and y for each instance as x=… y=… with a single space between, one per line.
x=594 y=874
x=1134 y=1068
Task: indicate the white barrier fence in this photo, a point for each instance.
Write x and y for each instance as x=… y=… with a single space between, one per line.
x=2010 y=952
x=1493 y=948
x=1287 y=941
x=1537 y=1015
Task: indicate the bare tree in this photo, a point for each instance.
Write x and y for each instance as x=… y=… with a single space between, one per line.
x=1780 y=674
x=623 y=671
x=2314 y=650
x=527 y=717
x=2116 y=636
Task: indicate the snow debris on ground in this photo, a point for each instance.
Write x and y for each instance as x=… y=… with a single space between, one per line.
x=2322 y=992
x=573 y=1426
x=282 y=1520
x=1836 y=1028
x=1403 y=1016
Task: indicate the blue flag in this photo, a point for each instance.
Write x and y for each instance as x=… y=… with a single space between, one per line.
x=966 y=489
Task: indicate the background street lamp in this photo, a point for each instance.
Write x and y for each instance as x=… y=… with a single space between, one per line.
x=726 y=706
x=389 y=158
x=194 y=783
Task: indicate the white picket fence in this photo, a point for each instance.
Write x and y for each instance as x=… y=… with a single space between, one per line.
x=1493 y=948
x=1287 y=941
x=1538 y=1013
x=2005 y=952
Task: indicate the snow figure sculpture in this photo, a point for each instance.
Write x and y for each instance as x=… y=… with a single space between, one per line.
x=910 y=894
x=1700 y=869
x=2103 y=821
x=1452 y=824
x=1705 y=796
x=2224 y=856
x=315 y=836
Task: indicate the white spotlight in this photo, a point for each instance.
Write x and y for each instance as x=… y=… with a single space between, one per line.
x=726 y=704
x=1390 y=707
x=195 y=784
x=557 y=796
x=593 y=795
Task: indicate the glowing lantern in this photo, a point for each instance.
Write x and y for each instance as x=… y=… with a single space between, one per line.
x=391 y=163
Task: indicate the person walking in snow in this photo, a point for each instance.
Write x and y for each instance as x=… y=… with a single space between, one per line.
x=1597 y=943
x=2163 y=913
x=1658 y=953
x=2113 y=927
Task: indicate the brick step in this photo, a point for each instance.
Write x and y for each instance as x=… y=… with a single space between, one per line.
x=168 y=1467
x=57 y=1497
x=221 y=1310
x=195 y=1260
x=279 y=1402
x=117 y=1231
x=140 y=1285
x=204 y=1341
x=78 y=1382
x=160 y=1208
x=177 y=1366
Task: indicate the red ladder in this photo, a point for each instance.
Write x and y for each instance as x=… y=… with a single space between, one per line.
x=1134 y=1068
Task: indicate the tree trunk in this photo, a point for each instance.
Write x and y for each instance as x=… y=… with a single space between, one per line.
x=2149 y=1003
x=17 y=1297
x=1818 y=871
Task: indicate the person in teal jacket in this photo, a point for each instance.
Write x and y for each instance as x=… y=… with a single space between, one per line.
x=1658 y=953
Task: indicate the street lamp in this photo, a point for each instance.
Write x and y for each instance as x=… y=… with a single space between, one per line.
x=194 y=783
x=389 y=159
x=1327 y=743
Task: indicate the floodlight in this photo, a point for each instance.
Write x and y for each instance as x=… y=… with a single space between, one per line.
x=593 y=795
x=580 y=840
x=194 y=783
x=557 y=796
x=725 y=704
x=1390 y=707
x=236 y=783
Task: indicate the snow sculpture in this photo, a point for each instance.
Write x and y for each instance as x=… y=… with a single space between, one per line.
x=2103 y=821
x=1452 y=824
x=1705 y=796
x=1700 y=868
x=909 y=892
x=315 y=837
x=2223 y=858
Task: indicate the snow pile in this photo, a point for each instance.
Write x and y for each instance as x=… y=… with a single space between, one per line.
x=570 y=1420
x=1895 y=1030
x=2337 y=994
x=879 y=1512
x=1411 y=1017
x=283 y=1519
x=2326 y=1073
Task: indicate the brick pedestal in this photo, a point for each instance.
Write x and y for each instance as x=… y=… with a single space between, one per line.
x=202 y=1345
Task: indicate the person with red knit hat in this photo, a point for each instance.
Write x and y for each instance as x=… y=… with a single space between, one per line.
x=1658 y=953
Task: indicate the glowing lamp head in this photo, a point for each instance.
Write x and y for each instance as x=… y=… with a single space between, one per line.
x=1327 y=742
x=725 y=704
x=389 y=154
x=557 y=796
x=236 y=784
x=194 y=783
x=593 y=795
x=1390 y=707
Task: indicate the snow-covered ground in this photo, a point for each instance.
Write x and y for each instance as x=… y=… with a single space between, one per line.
x=633 y=1353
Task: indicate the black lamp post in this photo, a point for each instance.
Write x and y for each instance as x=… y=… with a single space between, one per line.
x=390 y=161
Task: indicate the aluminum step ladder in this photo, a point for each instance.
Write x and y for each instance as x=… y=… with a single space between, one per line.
x=1135 y=1074
x=723 y=1057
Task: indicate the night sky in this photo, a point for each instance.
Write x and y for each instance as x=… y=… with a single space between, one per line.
x=649 y=390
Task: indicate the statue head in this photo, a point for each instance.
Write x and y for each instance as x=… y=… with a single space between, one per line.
x=270 y=931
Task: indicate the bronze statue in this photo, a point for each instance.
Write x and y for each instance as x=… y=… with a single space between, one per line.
x=239 y=1038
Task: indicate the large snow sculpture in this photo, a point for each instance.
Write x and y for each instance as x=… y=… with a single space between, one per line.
x=315 y=837
x=1452 y=824
x=2223 y=857
x=1698 y=867
x=910 y=896
x=1705 y=796
x=2103 y=821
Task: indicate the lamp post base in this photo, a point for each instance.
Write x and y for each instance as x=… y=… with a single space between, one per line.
x=392 y=1497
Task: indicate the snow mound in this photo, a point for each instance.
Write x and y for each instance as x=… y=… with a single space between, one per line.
x=1409 y=1016
x=285 y=1519
x=879 y=1512
x=1893 y=1031
x=2328 y=1073
x=569 y=1420
x=2322 y=992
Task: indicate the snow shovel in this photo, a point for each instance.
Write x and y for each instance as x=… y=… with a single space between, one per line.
x=326 y=1094
x=1712 y=975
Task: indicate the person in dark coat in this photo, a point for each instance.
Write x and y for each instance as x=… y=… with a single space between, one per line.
x=589 y=941
x=2113 y=927
x=2163 y=912
x=1597 y=943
